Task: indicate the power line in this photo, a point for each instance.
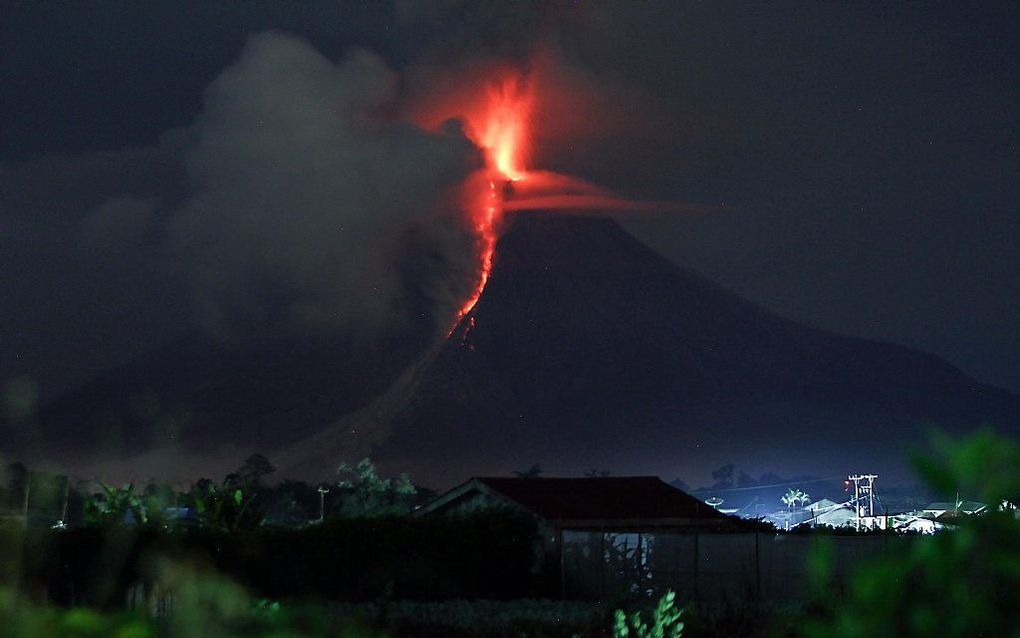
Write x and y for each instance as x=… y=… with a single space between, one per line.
x=763 y=487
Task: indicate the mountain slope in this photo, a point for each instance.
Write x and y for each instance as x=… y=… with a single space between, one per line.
x=586 y=350
x=202 y=406
x=589 y=350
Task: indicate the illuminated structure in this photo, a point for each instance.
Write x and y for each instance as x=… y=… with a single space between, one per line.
x=864 y=487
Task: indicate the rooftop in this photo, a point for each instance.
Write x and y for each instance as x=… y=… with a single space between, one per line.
x=602 y=498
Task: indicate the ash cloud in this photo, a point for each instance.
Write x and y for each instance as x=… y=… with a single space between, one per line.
x=305 y=194
x=293 y=202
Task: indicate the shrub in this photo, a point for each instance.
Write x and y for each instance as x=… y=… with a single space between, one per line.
x=962 y=582
x=488 y=555
x=665 y=621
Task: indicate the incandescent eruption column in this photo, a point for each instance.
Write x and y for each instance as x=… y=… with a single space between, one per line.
x=499 y=126
x=499 y=122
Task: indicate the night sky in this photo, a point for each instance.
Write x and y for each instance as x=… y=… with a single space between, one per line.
x=858 y=165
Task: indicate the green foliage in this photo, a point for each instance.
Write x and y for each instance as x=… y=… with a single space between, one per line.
x=203 y=606
x=983 y=467
x=665 y=621
x=224 y=507
x=961 y=582
x=116 y=506
x=365 y=494
x=531 y=618
x=489 y=555
x=256 y=467
x=21 y=619
x=794 y=497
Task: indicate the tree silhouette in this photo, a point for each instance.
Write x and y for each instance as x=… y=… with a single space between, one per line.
x=363 y=493
x=532 y=472
x=255 y=468
x=794 y=497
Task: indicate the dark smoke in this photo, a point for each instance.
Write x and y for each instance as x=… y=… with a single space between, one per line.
x=304 y=195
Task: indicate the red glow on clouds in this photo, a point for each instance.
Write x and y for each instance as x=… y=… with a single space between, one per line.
x=499 y=126
x=486 y=215
x=502 y=129
x=496 y=107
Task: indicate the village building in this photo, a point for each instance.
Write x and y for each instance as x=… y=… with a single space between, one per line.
x=618 y=504
x=830 y=514
x=950 y=510
x=596 y=530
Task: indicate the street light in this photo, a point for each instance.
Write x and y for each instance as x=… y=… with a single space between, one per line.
x=323 y=490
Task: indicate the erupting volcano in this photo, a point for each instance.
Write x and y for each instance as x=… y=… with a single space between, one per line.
x=499 y=128
x=498 y=120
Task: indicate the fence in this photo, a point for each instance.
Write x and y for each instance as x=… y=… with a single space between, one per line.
x=710 y=567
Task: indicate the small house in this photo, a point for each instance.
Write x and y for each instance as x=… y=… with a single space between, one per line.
x=831 y=514
x=603 y=536
x=618 y=504
x=952 y=510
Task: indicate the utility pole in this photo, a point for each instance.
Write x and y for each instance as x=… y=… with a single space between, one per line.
x=28 y=490
x=863 y=484
x=67 y=494
x=323 y=490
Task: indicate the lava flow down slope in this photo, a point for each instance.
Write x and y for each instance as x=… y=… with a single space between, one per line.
x=588 y=350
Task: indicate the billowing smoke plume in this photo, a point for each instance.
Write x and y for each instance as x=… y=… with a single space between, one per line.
x=305 y=194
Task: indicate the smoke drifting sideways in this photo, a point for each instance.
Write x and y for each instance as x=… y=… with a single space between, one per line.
x=507 y=107
x=312 y=210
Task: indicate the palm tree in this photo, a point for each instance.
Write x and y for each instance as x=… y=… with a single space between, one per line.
x=225 y=507
x=116 y=506
x=794 y=497
x=790 y=498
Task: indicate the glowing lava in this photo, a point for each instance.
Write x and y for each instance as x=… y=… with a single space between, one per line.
x=502 y=128
x=498 y=120
x=499 y=127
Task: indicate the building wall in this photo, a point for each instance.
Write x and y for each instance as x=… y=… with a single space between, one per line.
x=709 y=567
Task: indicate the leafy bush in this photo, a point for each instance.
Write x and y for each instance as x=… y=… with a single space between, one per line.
x=116 y=506
x=665 y=621
x=363 y=493
x=226 y=508
x=481 y=618
x=203 y=606
x=961 y=582
x=489 y=555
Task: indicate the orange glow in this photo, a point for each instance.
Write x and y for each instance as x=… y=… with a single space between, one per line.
x=486 y=219
x=495 y=106
x=499 y=127
x=502 y=128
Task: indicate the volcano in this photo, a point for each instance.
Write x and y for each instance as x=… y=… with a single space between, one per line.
x=585 y=350
x=588 y=350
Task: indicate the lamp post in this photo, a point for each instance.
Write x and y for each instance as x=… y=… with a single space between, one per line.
x=323 y=490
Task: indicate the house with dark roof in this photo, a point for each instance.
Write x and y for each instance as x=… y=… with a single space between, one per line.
x=615 y=527
x=615 y=503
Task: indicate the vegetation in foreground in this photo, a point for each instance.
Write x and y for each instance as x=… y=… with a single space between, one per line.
x=960 y=583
